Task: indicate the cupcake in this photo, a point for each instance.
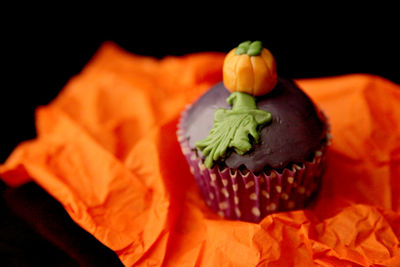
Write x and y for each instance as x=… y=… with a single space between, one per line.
x=255 y=142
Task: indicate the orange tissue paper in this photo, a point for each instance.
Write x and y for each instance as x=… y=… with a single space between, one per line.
x=106 y=149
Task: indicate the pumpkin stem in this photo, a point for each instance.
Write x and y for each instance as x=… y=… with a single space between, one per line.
x=241 y=101
x=249 y=48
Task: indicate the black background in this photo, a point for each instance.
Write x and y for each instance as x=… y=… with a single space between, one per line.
x=40 y=59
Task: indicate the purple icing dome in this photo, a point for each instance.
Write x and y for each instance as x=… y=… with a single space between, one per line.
x=296 y=130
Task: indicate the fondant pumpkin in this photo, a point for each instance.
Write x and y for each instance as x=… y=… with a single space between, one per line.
x=250 y=68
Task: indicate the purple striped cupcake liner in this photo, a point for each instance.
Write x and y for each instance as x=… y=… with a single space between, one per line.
x=249 y=196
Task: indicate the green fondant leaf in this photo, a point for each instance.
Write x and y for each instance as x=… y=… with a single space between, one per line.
x=245 y=44
x=242 y=48
x=254 y=48
x=240 y=51
x=249 y=48
x=232 y=128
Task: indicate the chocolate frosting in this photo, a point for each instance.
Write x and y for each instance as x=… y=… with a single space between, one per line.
x=295 y=132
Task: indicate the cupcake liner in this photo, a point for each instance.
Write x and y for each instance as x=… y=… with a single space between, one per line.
x=251 y=196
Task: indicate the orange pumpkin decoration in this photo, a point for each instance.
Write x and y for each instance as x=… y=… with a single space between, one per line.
x=250 y=68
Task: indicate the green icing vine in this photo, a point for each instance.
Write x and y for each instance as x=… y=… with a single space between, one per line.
x=233 y=128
